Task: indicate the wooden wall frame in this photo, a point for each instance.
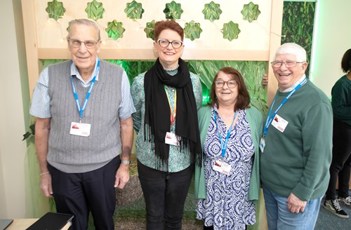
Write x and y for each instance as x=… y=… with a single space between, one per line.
x=35 y=53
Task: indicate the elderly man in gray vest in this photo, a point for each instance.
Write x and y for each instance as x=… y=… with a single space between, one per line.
x=83 y=129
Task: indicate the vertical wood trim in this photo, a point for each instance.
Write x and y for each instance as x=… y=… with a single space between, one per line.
x=31 y=41
x=275 y=41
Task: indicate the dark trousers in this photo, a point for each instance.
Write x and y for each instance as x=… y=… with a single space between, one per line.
x=81 y=193
x=164 y=195
x=341 y=162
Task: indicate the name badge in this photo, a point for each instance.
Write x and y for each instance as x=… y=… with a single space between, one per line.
x=221 y=166
x=172 y=139
x=279 y=123
x=80 y=129
x=262 y=144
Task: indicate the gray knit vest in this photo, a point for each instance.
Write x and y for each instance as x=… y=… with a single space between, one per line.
x=76 y=154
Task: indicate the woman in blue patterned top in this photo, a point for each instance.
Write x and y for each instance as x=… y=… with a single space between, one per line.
x=230 y=130
x=166 y=99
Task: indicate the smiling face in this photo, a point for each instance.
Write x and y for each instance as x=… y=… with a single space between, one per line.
x=82 y=56
x=289 y=65
x=288 y=76
x=168 y=55
x=226 y=89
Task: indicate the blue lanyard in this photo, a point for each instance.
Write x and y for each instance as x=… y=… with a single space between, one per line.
x=271 y=115
x=87 y=96
x=225 y=142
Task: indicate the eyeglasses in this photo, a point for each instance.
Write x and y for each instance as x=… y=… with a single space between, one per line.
x=230 y=83
x=288 y=64
x=165 y=43
x=77 y=43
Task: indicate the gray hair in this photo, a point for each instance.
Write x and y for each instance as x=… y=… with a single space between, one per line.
x=83 y=21
x=294 y=49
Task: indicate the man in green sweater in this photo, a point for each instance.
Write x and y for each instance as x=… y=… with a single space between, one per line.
x=296 y=145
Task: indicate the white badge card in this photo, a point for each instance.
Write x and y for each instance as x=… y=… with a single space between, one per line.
x=171 y=139
x=262 y=144
x=80 y=129
x=279 y=123
x=221 y=166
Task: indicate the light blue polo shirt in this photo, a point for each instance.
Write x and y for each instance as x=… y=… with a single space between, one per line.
x=40 y=106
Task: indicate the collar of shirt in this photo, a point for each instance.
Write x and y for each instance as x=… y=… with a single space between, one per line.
x=75 y=72
x=296 y=83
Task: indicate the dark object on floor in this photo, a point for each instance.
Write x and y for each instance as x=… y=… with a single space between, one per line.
x=52 y=221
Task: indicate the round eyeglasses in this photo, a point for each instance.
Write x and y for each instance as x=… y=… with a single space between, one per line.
x=165 y=43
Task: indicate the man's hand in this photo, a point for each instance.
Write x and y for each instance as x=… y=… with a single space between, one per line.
x=122 y=176
x=264 y=81
x=295 y=205
x=45 y=184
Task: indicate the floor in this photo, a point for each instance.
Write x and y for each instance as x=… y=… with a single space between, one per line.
x=326 y=221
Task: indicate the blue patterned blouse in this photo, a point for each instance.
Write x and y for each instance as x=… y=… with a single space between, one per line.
x=227 y=206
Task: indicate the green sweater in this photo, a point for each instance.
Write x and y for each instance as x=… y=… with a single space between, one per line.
x=297 y=160
x=341 y=100
x=255 y=121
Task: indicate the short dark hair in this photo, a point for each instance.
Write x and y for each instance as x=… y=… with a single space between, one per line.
x=346 y=61
x=167 y=24
x=243 y=100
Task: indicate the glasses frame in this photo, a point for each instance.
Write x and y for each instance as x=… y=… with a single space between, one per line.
x=221 y=83
x=159 y=42
x=288 y=63
x=89 y=44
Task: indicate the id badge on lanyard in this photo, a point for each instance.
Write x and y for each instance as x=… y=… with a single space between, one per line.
x=220 y=165
x=274 y=119
x=79 y=128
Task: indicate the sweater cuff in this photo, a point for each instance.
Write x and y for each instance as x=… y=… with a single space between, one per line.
x=302 y=192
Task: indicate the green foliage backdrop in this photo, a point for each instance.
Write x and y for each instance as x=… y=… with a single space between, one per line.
x=298 y=19
x=252 y=72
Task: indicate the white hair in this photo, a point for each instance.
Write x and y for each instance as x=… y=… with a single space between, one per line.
x=294 y=49
x=83 y=21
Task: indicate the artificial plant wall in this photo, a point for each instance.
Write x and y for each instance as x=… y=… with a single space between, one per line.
x=298 y=19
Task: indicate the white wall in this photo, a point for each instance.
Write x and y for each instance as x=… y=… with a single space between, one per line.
x=332 y=37
x=13 y=92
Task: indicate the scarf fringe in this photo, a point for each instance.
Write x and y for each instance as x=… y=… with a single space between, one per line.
x=184 y=147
